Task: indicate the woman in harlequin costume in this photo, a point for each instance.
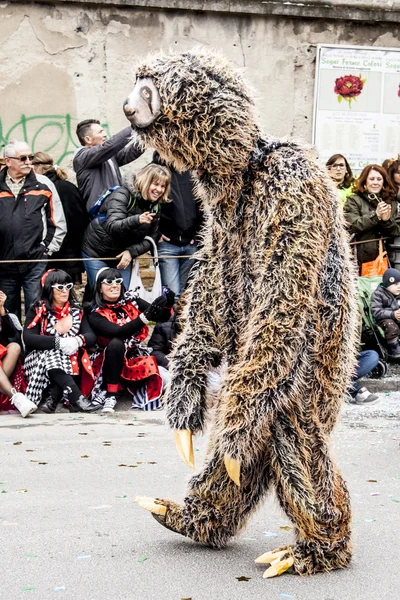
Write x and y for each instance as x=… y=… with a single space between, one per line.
x=119 y=318
x=56 y=335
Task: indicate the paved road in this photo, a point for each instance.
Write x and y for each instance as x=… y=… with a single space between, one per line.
x=75 y=533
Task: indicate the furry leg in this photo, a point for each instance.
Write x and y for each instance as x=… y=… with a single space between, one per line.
x=314 y=496
x=215 y=508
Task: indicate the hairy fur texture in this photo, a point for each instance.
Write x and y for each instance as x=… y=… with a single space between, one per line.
x=274 y=297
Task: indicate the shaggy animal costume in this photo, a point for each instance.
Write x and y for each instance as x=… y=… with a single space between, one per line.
x=273 y=296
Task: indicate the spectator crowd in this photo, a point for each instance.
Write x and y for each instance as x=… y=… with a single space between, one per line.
x=52 y=232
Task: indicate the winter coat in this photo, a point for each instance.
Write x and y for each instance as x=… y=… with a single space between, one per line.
x=77 y=221
x=360 y=214
x=122 y=230
x=383 y=304
x=97 y=167
x=30 y=223
x=161 y=340
x=182 y=218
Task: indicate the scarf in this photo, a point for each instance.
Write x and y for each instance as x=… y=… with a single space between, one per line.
x=41 y=313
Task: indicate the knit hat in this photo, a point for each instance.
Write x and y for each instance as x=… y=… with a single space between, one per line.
x=390 y=277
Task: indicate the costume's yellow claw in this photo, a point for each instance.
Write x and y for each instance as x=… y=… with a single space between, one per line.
x=279 y=567
x=270 y=557
x=151 y=505
x=233 y=468
x=184 y=445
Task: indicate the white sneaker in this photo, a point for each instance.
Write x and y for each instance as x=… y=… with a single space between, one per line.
x=364 y=396
x=21 y=402
x=109 y=404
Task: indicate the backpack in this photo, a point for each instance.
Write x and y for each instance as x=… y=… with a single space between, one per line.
x=94 y=211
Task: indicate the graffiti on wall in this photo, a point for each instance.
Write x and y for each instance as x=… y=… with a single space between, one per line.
x=54 y=134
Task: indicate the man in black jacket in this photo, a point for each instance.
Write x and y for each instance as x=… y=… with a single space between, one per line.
x=32 y=225
x=97 y=161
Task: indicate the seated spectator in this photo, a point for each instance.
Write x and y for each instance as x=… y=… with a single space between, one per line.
x=385 y=308
x=342 y=176
x=372 y=212
x=56 y=335
x=75 y=214
x=97 y=161
x=12 y=380
x=180 y=223
x=125 y=218
x=367 y=361
x=119 y=319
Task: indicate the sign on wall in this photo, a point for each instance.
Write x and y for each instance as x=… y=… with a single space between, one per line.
x=357 y=104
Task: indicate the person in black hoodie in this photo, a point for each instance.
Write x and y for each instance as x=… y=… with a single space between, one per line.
x=75 y=215
x=126 y=217
x=180 y=223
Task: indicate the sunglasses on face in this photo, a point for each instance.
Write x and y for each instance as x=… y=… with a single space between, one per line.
x=23 y=158
x=116 y=281
x=63 y=287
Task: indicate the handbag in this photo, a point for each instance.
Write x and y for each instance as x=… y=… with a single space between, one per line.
x=377 y=267
x=136 y=283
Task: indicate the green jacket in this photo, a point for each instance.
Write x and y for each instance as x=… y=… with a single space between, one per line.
x=360 y=214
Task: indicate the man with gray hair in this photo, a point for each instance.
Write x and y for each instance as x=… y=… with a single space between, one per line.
x=32 y=225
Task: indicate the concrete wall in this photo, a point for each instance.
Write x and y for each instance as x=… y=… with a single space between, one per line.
x=66 y=61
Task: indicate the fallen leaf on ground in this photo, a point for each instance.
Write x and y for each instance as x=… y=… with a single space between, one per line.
x=28 y=587
x=21 y=491
x=82 y=433
x=142 y=559
x=85 y=456
x=372 y=480
x=33 y=460
x=42 y=463
x=242 y=578
x=17 y=443
x=122 y=465
x=29 y=451
x=152 y=462
x=286 y=528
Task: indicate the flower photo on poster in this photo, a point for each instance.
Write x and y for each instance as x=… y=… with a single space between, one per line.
x=348 y=87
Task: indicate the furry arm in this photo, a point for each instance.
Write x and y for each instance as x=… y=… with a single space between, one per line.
x=197 y=349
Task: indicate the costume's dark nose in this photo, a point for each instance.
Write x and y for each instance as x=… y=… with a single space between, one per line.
x=127 y=109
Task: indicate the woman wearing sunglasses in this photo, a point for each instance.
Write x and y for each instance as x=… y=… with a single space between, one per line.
x=119 y=319
x=56 y=335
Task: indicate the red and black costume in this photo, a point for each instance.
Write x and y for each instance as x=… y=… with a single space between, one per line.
x=45 y=363
x=122 y=360
x=8 y=332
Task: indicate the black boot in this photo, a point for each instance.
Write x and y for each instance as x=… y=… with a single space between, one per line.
x=394 y=348
x=51 y=402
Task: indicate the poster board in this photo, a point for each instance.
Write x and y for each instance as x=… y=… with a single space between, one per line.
x=357 y=104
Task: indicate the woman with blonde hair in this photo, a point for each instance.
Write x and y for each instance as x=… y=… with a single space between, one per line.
x=75 y=215
x=125 y=217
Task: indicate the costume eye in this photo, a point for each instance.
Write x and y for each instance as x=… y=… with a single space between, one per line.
x=146 y=94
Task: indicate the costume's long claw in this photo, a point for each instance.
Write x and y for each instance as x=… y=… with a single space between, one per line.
x=279 y=567
x=151 y=505
x=184 y=444
x=233 y=468
x=270 y=557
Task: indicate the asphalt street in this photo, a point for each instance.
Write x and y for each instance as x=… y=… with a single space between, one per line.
x=70 y=528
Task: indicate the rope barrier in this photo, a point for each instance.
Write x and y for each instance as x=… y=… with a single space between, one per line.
x=141 y=258
x=80 y=259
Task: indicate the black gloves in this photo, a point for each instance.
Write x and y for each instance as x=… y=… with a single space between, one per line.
x=156 y=310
